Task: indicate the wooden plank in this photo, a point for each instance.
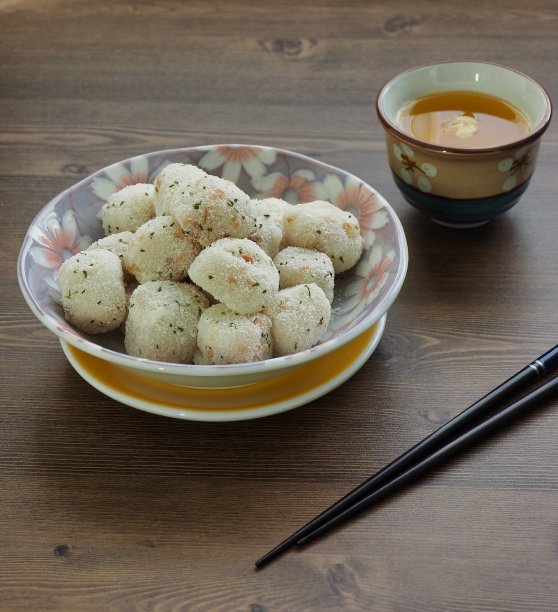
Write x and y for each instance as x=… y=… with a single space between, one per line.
x=104 y=507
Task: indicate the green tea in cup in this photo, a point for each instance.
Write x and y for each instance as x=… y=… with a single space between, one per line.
x=464 y=119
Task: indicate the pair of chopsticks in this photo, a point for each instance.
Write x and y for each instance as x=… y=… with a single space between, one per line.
x=445 y=442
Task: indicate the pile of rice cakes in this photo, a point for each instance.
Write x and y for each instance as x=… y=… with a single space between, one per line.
x=194 y=271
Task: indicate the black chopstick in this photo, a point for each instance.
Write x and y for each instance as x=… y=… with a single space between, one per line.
x=536 y=369
x=462 y=442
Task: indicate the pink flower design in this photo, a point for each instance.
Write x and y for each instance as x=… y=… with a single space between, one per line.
x=119 y=176
x=357 y=199
x=235 y=157
x=372 y=273
x=298 y=187
x=57 y=241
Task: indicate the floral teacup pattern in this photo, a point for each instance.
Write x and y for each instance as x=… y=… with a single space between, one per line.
x=411 y=169
x=460 y=176
x=518 y=168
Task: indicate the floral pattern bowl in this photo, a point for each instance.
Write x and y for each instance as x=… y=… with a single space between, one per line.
x=462 y=187
x=69 y=223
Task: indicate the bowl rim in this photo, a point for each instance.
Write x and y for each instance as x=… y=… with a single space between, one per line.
x=532 y=136
x=274 y=363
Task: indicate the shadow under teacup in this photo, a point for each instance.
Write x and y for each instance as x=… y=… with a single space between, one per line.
x=464 y=161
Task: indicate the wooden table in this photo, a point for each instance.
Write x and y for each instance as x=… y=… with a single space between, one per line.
x=103 y=507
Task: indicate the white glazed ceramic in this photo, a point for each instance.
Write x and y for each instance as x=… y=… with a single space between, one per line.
x=69 y=223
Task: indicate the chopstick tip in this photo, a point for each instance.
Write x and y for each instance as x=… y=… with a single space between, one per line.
x=262 y=562
x=275 y=552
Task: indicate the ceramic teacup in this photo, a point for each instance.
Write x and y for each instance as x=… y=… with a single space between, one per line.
x=456 y=186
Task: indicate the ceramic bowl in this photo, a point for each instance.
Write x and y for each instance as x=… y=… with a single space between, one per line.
x=457 y=186
x=69 y=223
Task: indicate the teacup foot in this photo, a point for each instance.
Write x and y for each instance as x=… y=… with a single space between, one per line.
x=461 y=225
x=460 y=213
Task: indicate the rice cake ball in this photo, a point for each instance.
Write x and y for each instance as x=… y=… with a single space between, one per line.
x=162 y=321
x=213 y=208
x=299 y=317
x=298 y=266
x=267 y=236
x=160 y=250
x=225 y=337
x=238 y=273
x=322 y=226
x=128 y=209
x=274 y=209
x=171 y=183
x=117 y=244
x=92 y=288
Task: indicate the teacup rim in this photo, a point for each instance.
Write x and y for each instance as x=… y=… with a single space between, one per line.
x=533 y=136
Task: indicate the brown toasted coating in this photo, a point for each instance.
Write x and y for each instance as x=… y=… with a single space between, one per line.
x=238 y=273
x=160 y=250
x=211 y=208
x=324 y=227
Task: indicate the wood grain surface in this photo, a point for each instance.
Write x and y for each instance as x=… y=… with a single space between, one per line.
x=103 y=507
